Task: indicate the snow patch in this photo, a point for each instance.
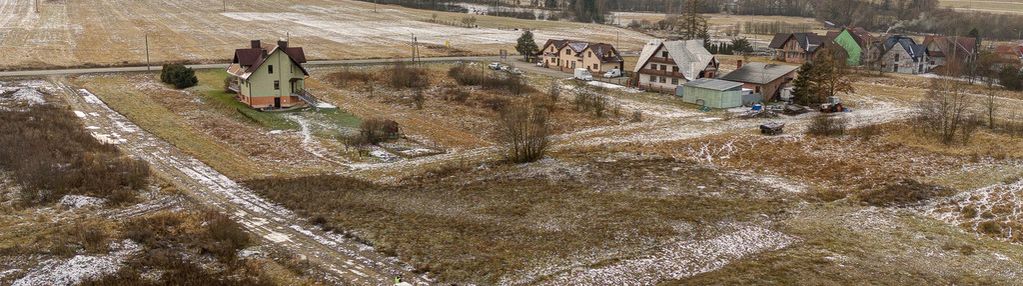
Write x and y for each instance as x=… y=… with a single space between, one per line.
x=76 y=201
x=79 y=268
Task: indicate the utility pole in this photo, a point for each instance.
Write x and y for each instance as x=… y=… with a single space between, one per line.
x=225 y=5
x=148 y=66
x=35 y=5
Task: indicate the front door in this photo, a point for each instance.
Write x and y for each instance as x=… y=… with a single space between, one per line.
x=277 y=102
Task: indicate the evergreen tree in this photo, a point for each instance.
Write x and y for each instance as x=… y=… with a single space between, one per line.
x=526 y=46
x=803 y=88
x=741 y=45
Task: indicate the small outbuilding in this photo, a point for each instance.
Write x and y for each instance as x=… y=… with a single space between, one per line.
x=713 y=93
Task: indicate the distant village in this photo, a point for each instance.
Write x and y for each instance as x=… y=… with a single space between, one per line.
x=687 y=69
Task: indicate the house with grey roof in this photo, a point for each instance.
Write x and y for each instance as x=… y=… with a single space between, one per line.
x=664 y=65
x=764 y=79
x=901 y=54
x=567 y=55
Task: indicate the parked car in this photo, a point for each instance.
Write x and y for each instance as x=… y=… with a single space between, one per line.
x=515 y=71
x=540 y=64
x=613 y=73
x=495 y=66
x=583 y=74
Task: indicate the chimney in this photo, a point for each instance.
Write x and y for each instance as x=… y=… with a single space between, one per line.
x=255 y=44
x=738 y=64
x=282 y=44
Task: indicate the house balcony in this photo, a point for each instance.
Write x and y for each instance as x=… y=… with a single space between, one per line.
x=662 y=60
x=660 y=73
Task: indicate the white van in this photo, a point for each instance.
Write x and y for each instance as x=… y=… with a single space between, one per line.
x=583 y=74
x=613 y=73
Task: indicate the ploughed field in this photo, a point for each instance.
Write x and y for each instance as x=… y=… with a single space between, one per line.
x=108 y=32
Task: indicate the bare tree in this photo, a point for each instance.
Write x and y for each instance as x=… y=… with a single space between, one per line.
x=991 y=106
x=945 y=112
x=525 y=130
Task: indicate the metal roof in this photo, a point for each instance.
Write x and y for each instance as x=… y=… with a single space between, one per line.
x=759 y=73
x=714 y=84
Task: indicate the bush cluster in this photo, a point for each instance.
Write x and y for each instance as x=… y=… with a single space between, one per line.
x=178 y=75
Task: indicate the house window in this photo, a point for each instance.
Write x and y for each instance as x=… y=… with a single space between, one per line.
x=664 y=67
x=566 y=52
x=674 y=69
x=653 y=78
x=277 y=85
x=271 y=69
x=674 y=81
x=664 y=54
x=589 y=54
x=663 y=79
x=595 y=67
x=758 y=89
x=653 y=66
x=896 y=57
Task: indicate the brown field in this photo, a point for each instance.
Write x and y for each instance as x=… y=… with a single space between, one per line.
x=993 y=6
x=108 y=32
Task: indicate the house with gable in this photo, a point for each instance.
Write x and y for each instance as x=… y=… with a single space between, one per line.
x=856 y=42
x=959 y=51
x=903 y=55
x=796 y=48
x=268 y=76
x=665 y=65
x=567 y=55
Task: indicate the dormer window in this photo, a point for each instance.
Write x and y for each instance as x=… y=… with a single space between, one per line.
x=271 y=68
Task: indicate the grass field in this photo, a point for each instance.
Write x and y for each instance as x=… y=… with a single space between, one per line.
x=109 y=32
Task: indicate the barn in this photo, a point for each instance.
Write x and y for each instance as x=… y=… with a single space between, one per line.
x=713 y=93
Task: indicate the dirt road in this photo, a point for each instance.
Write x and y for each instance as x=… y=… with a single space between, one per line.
x=342 y=261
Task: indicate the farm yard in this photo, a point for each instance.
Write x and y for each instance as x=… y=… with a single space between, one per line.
x=114 y=33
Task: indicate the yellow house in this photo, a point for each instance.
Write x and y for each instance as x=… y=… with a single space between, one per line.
x=567 y=55
x=268 y=76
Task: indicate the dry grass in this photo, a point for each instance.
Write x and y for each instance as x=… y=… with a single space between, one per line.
x=50 y=155
x=482 y=226
x=1000 y=6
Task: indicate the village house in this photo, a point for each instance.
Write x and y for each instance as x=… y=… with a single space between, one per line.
x=764 y=81
x=903 y=55
x=664 y=65
x=856 y=42
x=267 y=76
x=943 y=50
x=567 y=55
x=1009 y=54
x=796 y=48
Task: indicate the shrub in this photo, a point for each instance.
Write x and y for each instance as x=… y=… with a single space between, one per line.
x=464 y=74
x=990 y=228
x=342 y=78
x=374 y=131
x=403 y=76
x=455 y=93
x=827 y=125
x=228 y=82
x=495 y=103
x=902 y=193
x=525 y=131
x=637 y=116
x=178 y=75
